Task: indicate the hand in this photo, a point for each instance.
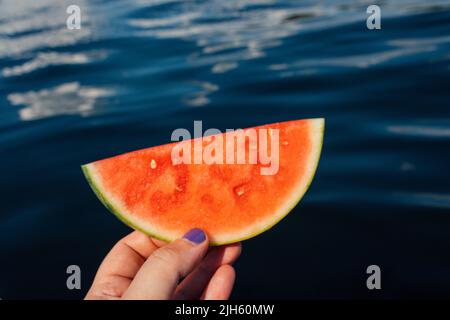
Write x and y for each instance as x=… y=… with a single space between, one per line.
x=142 y=268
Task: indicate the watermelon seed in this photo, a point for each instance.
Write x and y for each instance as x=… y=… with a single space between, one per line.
x=153 y=164
x=285 y=143
x=178 y=188
x=239 y=190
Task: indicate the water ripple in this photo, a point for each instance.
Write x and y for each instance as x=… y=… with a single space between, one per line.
x=68 y=98
x=420 y=131
x=46 y=59
x=25 y=26
x=436 y=200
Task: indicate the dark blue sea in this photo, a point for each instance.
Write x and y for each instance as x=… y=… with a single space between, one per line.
x=138 y=69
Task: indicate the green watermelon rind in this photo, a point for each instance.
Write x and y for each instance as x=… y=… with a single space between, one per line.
x=319 y=122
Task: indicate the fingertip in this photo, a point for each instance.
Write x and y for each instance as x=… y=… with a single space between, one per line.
x=230 y=253
x=196 y=236
x=221 y=284
x=159 y=243
x=136 y=235
x=237 y=247
x=139 y=242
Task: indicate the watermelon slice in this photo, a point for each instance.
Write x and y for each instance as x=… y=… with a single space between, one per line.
x=231 y=202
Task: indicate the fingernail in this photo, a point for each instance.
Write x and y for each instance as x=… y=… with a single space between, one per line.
x=195 y=235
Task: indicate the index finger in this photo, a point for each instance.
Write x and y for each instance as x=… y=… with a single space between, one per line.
x=128 y=255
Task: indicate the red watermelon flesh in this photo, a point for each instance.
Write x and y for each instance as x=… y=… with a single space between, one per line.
x=231 y=202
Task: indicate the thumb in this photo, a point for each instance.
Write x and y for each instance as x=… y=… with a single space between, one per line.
x=159 y=275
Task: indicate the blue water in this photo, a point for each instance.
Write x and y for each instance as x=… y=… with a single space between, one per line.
x=139 y=69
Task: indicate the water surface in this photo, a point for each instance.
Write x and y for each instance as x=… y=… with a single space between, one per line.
x=139 y=69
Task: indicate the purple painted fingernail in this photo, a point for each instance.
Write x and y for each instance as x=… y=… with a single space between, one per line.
x=195 y=235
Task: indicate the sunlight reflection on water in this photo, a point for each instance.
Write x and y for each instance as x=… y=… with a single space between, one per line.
x=68 y=98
